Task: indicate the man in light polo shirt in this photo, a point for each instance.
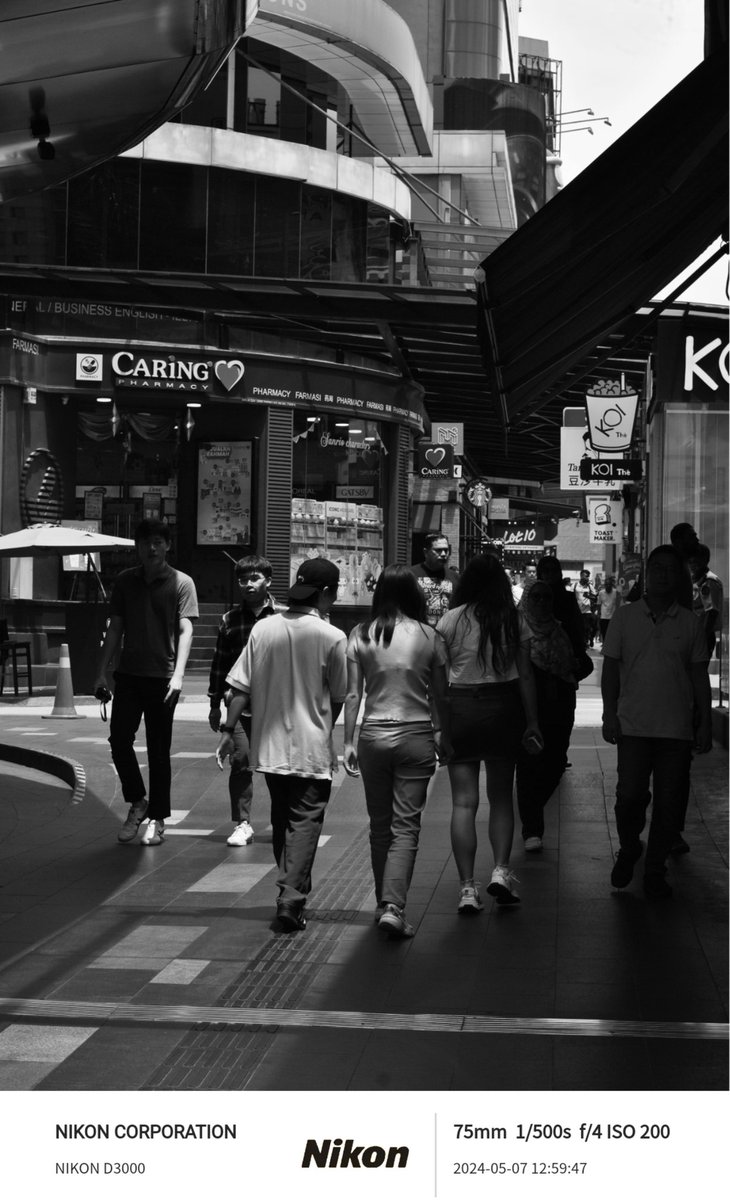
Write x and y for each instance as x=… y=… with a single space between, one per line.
x=656 y=709
x=292 y=673
x=153 y=607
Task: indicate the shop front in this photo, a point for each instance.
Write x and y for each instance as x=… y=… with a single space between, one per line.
x=239 y=452
x=687 y=443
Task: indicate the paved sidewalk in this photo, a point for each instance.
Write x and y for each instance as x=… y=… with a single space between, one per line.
x=125 y=967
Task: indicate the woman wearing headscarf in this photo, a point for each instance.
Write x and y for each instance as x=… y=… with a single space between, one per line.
x=400 y=661
x=492 y=711
x=555 y=668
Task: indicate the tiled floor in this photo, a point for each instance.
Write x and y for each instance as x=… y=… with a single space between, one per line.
x=162 y=968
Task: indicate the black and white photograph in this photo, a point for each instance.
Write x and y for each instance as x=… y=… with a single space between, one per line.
x=364 y=564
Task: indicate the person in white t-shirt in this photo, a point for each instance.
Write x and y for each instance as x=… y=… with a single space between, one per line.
x=293 y=675
x=608 y=601
x=400 y=662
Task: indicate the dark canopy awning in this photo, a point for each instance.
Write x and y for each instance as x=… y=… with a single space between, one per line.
x=607 y=243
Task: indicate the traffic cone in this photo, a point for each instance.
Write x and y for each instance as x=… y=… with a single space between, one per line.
x=63 y=705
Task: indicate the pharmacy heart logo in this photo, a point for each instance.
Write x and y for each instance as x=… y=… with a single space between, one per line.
x=229 y=373
x=435 y=456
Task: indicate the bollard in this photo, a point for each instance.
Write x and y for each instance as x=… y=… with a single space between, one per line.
x=63 y=704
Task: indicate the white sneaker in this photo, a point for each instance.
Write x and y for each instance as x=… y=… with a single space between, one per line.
x=502 y=886
x=135 y=817
x=379 y=910
x=153 y=834
x=532 y=844
x=469 y=900
x=242 y=835
x=393 y=922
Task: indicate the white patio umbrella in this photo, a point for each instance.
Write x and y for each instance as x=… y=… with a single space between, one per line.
x=40 y=540
x=58 y=539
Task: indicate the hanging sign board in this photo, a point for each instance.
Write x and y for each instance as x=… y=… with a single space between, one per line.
x=434 y=462
x=575 y=451
x=605 y=516
x=611 y=411
x=448 y=433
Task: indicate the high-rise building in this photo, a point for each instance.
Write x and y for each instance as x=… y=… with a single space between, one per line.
x=340 y=143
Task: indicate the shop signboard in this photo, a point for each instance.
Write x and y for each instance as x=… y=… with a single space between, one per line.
x=448 y=433
x=236 y=378
x=518 y=535
x=224 y=493
x=575 y=451
x=605 y=516
x=693 y=359
x=434 y=462
x=611 y=471
x=611 y=413
x=499 y=508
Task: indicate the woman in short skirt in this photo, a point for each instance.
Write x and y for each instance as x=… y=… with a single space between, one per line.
x=492 y=712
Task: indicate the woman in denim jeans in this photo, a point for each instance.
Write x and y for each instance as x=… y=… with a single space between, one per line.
x=492 y=712
x=400 y=662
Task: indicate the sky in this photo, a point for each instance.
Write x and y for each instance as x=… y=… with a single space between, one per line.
x=620 y=57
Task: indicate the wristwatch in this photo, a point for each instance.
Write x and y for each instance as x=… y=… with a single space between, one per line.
x=226 y=728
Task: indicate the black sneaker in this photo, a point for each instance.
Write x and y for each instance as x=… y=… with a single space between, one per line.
x=656 y=886
x=290 y=915
x=623 y=868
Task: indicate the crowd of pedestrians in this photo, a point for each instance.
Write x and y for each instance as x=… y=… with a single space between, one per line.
x=446 y=669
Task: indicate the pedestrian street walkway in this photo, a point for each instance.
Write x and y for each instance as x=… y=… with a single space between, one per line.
x=162 y=968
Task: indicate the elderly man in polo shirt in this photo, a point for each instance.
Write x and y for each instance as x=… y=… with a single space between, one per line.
x=153 y=607
x=292 y=673
x=656 y=709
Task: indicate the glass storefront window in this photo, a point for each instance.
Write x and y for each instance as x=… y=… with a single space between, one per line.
x=278 y=215
x=155 y=216
x=103 y=216
x=316 y=251
x=337 y=503
x=173 y=217
x=231 y=207
x=690 y=447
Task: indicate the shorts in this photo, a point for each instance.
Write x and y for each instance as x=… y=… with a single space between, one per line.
x=487 y=721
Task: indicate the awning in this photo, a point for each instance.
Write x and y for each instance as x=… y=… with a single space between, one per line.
x=606 y=244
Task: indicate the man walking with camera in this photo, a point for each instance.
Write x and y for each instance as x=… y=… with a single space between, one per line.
x=153 y=607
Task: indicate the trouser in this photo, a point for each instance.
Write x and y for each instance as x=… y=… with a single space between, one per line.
x=538 y=775
x=135 y=697
x=589 y=628
x=240 y=778
x=396 y=765
x=298 y=806
x=645 y=766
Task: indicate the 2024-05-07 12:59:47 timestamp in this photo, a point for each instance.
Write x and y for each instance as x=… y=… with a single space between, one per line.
x=520 y=1168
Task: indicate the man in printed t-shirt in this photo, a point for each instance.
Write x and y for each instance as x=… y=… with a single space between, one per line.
x=435 y=576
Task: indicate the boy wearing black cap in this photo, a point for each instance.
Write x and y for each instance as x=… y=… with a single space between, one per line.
x=293 y=676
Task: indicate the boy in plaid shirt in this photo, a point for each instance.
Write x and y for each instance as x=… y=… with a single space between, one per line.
x=254 y=580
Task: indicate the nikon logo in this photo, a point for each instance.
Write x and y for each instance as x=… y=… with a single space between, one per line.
x=336 y=1153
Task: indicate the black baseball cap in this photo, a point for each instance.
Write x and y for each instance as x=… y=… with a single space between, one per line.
x=313 y=576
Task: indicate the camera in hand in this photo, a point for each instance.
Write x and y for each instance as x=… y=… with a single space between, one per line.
x=103 y=695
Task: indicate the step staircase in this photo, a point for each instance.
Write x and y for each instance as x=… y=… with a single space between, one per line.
x=204 y=638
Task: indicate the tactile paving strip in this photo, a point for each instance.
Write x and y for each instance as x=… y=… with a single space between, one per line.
x=279 y=976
